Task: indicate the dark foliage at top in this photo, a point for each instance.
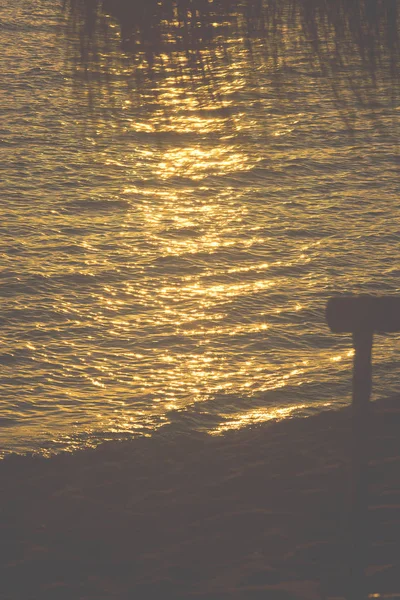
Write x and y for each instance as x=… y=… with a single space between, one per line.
x=190 y=35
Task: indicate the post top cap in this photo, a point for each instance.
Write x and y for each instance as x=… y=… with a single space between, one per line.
x=351 y=314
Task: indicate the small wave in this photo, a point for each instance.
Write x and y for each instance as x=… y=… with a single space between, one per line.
x=7 y=422
x=7 y=358
x=182 y=232
x=100 y=205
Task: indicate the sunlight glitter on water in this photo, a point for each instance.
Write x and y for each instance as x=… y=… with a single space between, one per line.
x=168 y=262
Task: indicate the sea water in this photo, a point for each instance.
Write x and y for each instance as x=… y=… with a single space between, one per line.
x=168 y=266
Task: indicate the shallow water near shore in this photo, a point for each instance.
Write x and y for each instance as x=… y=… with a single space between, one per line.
x=169 y=267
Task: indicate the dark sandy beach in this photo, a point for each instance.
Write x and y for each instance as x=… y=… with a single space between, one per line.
x=259 y=513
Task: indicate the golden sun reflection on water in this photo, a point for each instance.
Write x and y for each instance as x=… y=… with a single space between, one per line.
x=176 y=262
x=254 y=417
x=198 y=163
x=202 y=269
x=194 y=224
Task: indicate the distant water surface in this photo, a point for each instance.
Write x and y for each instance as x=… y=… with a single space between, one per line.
x=167 y=263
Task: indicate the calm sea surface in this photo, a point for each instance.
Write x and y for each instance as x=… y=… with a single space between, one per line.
x=169 y=266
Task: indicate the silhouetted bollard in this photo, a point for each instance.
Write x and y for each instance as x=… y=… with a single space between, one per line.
x=361 y=316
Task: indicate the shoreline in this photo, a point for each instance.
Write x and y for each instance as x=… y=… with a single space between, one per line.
x=256 y=513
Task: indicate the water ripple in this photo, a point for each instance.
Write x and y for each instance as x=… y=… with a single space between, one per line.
x=158 y=270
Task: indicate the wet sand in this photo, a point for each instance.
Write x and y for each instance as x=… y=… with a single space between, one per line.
x=259 y=513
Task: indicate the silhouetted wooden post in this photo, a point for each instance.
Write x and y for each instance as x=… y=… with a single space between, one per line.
x=361 y=316
x=362 y=384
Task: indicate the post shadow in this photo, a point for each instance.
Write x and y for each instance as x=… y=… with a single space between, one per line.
x=362 y=316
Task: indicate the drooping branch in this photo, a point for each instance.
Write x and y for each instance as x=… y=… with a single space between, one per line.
x=353 y=42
